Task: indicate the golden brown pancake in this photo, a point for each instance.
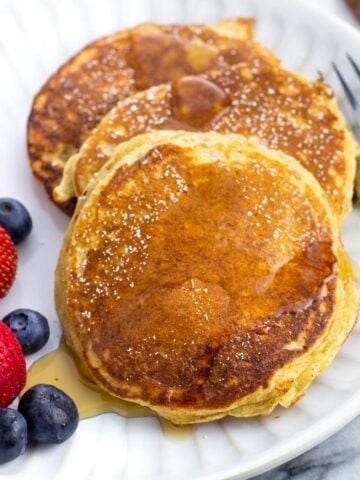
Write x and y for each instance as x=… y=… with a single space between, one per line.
x=202 y=276
x=282 y=109
x=85 y=88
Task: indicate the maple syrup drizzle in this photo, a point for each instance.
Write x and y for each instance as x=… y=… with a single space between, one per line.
x=59 y=368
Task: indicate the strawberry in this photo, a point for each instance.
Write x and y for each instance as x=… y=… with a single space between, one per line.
x=12 y=366
x=8 y=261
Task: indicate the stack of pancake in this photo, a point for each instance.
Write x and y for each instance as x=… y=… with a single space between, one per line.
x=202 y=273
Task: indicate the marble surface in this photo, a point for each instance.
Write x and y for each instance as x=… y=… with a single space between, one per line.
x=338 y=458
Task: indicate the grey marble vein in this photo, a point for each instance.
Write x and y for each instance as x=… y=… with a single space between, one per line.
x=338 y=458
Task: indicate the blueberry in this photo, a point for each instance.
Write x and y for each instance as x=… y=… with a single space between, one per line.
x=51 y=415
x=30 y=328
x=13 y=434
x=15 y=219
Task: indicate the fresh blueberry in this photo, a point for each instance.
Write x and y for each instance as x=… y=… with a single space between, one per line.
x=51 y=415
x=30 y=328
x=13 y=434
x=15 y=219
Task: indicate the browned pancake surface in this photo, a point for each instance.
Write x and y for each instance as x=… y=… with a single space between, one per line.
x=198 y=278
x=284 y=111
x=84 y=89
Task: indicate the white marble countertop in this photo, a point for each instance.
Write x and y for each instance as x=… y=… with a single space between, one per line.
x=338 y=458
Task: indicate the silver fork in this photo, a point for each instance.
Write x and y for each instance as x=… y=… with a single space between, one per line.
x=355 y=104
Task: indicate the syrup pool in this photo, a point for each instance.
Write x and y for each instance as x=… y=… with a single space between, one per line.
x=59 y=368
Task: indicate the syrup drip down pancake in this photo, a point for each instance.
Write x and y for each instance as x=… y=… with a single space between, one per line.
x=202 y=275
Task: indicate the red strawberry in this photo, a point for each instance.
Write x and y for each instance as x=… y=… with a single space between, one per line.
x=12 y=366
x=8 y=261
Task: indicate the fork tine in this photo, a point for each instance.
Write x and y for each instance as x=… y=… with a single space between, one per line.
x=346 y=87
x=354 y=65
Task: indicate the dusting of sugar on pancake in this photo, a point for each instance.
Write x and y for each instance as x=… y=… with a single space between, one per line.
x=83 y=90
x=201 y=273
x=272 y=105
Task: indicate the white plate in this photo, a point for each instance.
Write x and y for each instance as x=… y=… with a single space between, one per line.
x=35 y=37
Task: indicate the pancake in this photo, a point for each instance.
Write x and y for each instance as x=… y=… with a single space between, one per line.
x=85 y=88
x=282 y=109
x=202 y=275
x=357 y=179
